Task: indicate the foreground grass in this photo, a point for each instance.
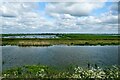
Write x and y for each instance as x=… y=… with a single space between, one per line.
x=45 y=72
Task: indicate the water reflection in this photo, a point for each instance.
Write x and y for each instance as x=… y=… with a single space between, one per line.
x=60 y=56
x=31 y=36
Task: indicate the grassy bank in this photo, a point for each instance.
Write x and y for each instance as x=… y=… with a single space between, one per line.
x=49 y=42
x=45 y=72
x=63 y=39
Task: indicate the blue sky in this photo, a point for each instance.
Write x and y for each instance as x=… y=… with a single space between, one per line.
x=104 y=9
x=39 y=17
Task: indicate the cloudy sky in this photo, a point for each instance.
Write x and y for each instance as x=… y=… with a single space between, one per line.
x=39 y=17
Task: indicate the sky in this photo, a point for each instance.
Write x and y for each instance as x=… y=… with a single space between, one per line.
x=59 y=17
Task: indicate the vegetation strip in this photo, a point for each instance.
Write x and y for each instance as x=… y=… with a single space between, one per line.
x=63 y=39
x=45 y=72
x=49 y=42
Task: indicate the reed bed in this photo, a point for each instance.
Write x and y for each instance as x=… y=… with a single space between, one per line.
x=50 y=42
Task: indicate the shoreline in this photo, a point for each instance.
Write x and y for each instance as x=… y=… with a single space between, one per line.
x=73 y=72
x=51 y=42
x=61 y=39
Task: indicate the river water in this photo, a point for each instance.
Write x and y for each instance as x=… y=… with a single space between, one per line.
x=59 y=56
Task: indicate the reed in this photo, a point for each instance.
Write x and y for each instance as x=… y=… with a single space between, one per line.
x=49 y=42
x=63 y=39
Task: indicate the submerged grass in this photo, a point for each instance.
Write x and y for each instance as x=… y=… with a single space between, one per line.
x=45 y=72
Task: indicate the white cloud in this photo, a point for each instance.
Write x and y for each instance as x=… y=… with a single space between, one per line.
x=63 y=17
x=109 y=18
x=60 y=0
x=106 y=22
x=16 y=9
x=75 y=9
x=7 y=12
x=21 y=17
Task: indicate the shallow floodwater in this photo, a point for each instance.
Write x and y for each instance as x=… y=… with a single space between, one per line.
x=59 y=56
x=31 y=36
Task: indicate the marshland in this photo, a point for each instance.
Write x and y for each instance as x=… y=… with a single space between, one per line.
x=60 y=39
x=56 y=56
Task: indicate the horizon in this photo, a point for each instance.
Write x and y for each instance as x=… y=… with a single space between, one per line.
x=62 y=33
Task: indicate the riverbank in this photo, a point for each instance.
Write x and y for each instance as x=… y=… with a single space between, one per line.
x=50 y=42
x=61 y=39
x=45 y=72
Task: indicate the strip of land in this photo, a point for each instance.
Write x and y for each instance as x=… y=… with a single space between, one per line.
x=41 y=72
x=63 y=39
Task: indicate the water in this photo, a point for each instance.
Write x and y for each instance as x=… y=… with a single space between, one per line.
x=59 y=56
x=31 y=36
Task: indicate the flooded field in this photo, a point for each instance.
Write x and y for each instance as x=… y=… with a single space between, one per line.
x=31 y=36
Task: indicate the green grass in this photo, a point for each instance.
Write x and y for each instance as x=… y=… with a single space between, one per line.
x=74 y=36
x=64 y=39
x=90 y=36
x=45 y=72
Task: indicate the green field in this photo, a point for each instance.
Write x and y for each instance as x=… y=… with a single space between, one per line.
x=74 y=36
x=63 y=39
